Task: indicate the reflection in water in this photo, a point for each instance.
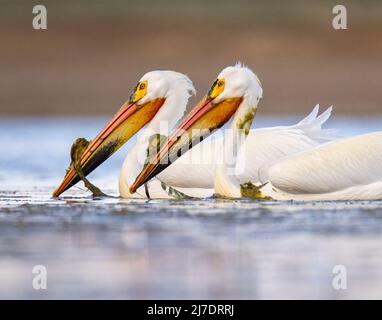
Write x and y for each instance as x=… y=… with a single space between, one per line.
x=115 y=248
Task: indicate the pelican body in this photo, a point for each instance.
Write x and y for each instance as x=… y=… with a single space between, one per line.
x=343 y=169
x=347 y=169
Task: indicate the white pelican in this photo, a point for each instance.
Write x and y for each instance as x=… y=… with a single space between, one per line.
x=235 y=94
x=161 y=98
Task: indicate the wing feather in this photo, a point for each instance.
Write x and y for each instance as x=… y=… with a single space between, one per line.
x=331 y=167
x=265 y=147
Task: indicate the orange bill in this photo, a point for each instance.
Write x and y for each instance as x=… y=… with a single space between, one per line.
x=126 y=123
x=201 y=122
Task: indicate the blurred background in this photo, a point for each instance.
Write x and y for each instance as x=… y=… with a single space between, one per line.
x=94 y=52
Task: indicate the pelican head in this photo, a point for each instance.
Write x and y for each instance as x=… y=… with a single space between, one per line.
x=234 y=93
x=150 y=99
x=236 y=82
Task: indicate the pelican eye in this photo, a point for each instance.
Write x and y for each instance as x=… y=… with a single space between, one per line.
x=217 y=88
x=139 y=91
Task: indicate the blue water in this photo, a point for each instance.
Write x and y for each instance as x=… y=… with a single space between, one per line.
x=115 y=248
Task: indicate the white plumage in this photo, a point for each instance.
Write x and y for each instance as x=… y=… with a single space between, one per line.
x=347 y=169
x=265 y=146
x=196 y=168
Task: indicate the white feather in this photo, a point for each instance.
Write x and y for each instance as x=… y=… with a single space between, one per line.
x=264 y=147
x=196 y=168
x=341 y=170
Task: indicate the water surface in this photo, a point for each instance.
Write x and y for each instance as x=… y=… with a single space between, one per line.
x=115 y=248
